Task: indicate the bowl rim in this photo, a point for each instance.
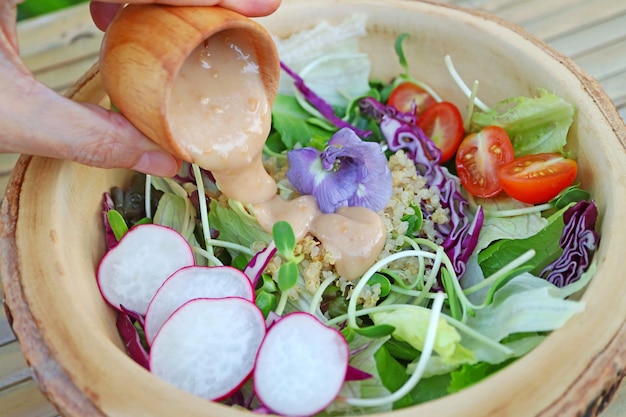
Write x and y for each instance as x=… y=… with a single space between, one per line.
x=598 y=383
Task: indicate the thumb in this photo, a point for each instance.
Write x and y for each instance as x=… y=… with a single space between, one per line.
x=39 y=121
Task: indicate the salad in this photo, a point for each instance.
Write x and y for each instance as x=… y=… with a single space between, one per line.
x=486 y=239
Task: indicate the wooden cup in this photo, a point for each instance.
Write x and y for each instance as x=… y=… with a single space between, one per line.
x=145 y=47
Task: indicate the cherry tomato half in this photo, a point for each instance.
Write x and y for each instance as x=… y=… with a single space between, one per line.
x=537 y=178
x=406 y=93
x=478 y=158
x=443 y=124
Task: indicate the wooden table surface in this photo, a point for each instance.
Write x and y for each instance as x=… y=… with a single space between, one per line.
x=60 y=47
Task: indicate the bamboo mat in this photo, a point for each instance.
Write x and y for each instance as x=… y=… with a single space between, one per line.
x=60 y=47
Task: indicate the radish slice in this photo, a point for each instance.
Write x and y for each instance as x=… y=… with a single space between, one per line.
x=194 y=282
x=301 y=366
x=208 y=346
x=132 y=272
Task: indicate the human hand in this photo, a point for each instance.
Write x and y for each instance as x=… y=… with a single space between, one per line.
x=36 y=120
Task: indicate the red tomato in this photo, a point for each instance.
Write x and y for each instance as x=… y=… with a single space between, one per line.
x=479 y=157
x=443 y=124
x=406 y=93
x=537 y=178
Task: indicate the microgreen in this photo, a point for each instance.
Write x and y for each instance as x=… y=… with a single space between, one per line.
x=117 y=223
x=414 y=220
x=285 y=241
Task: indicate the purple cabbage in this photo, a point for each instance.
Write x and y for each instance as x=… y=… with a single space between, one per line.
x=320 y=104
x=109 y=236
x=259 y=262
x=460 y=235
x=579 y=240
x=125 y=323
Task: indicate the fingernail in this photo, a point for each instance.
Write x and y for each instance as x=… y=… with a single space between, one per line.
x=157 y=163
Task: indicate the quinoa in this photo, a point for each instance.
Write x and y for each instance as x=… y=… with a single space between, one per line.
x=409 y=191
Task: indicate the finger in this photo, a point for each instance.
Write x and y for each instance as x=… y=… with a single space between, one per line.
x=103 y=11
x=47 y=124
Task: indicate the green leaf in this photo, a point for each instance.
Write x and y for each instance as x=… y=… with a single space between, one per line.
x=401 y=350
x=469 y=374
x=534 y=125
x=456 y=310
x=525 y=304
x=393 y=375
x=240 y=262
x=414 y=220
x=411 y=326
x=383 y=281
x=289 y=119
x=568 y=196
x=172 y=212
x=236 y=225
x=265 y=301
x=400 y=52
x=503 y=280
x=117 y=223
x=287 y=276
x=511 y=227
x=268 y=283
x=284 y=239
x=375 y=331
x=144 y=220
x=502 y=252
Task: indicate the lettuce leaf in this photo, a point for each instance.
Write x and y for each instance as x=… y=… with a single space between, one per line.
x=525 y=304
x=411 y=325
x=301 y=49
x=502 y=252
x=468 y=375
x=513 y=227
x=236 y=225
x=292 y=123
x=535 y=125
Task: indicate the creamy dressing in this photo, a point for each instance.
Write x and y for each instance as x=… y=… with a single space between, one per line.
x=354 y=236
x=219 y=112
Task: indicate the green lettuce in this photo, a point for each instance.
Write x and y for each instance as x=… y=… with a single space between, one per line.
x=236 y=225
x=411 y=326
x=525 y=304
x=502 y=252
x=293 y=124
x=512 y=227
x=535 y=125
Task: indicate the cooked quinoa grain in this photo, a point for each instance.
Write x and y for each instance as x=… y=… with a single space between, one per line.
x=409 y=191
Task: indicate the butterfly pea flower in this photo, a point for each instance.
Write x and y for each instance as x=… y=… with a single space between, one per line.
x=349 y=172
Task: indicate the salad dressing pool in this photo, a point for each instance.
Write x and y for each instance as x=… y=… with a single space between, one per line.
x=220 y=114
x=354 y=236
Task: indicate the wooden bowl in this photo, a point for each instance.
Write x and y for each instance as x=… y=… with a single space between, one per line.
x=52 y=236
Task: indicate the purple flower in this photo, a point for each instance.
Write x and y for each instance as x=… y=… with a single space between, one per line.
x=349 y=172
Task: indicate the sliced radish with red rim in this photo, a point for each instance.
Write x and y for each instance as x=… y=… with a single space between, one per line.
x=301 y=366
x=194 y=282
x=131 y=273
x=208 y=346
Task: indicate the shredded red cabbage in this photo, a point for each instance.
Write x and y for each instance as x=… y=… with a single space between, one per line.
x=259 y=262
x=579 y=240
x=460 y=235
x=125 y=323
x=109 y=236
